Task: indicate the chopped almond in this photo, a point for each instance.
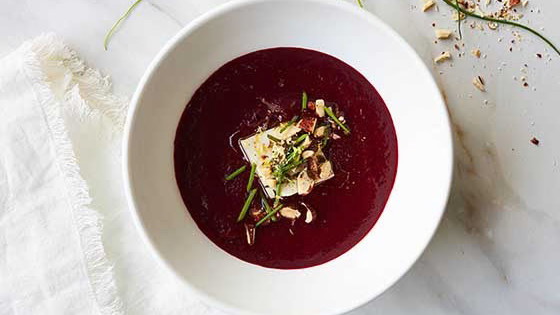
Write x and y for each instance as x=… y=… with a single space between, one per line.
x=290 y=213
x=307 y=154
x=304 y=183
x=476 y=53
x=320 y=108
x=478 y=82
x=320 y=131
x=441 y=58
x=428 y=4
x=443 y=33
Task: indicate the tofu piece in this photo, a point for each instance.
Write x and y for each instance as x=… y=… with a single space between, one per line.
x=259 y=149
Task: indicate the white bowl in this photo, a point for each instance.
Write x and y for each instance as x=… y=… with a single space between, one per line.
x=415 y=205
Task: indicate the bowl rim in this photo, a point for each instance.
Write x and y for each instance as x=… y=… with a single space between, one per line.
x=184 y=33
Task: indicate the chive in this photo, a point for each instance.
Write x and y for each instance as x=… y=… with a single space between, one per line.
x=267 y=207
x=278 y=189
x=301 y=138
x=273 y=138
x=329 y=112
x=289 y=123
x=251 y=176
x=269 y=215
x=360 y=4
x=489 y=19
x=236 y=172
x=118 y=22
x=459 y=20
x=248 y=201
x=303 y=101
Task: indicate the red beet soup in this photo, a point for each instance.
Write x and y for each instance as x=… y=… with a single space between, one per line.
x=264 y=90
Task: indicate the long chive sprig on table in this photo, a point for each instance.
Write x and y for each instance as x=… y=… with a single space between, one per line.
x=500 y=21
x=118 y=23
x=303 y=101
x=458 y=20
x=247 y=204
x=236 y=172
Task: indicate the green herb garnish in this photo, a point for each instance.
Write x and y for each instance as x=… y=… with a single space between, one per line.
x=329 y=112
x=303 y=101
x=248 y=201
x=507 y=22
x=118 y=23
x=301 y=138
x=280 y=179
x=273 y=138
x=251 y=176
x=289 y=123
x=360 y=4
x=458 y=20
x=269 y=215
x=266 y=206
x=236 y=172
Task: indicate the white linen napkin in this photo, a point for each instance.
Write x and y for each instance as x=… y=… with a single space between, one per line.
x=60 y=134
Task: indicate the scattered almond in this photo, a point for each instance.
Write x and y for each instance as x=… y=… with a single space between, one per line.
x=304 y=183
x=320 y=132
x=456 y=16
x=320 y=108
x=307 y=154
x=444 y=56
x=524 y=2
x=428 y=4
x=443 y=33
x=250 y=233
x=335 y=136
x=290 y=213
x=476 y=53
x=492 y=25
x=478 y=82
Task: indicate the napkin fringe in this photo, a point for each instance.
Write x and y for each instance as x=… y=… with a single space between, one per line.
x=50 y=49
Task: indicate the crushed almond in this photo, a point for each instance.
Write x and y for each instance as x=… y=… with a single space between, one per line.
x=444 y=56
x=250 y=233
x=478 y=82
x=320 y=108
x=443 y=33
x=476 y=53
x=492 y=25
x=290 y=213
x=428 y=4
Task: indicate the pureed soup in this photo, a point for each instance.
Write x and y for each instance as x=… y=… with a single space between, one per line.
x=285 y=157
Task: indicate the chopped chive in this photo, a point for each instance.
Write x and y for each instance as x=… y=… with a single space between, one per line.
x=303 y=101
x=301 y=139
x=248 y=201
x=360 y=4
x=236 y=172
x=273 y=138
x=289 y=123
x=118 y=23
x=329 y=112
x=251 y=176
x=266 y=206
x=269 y=215
x=278 y=189
x=489 y=19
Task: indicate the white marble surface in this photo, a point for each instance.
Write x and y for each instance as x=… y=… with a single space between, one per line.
x=497 y=250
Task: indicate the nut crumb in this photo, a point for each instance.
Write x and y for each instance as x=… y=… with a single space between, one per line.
x=476 y=53
x=444 y=56
x=492 y=25
x=428 y=4
x=535 y=141
x=478 y=82
x=443 y=33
